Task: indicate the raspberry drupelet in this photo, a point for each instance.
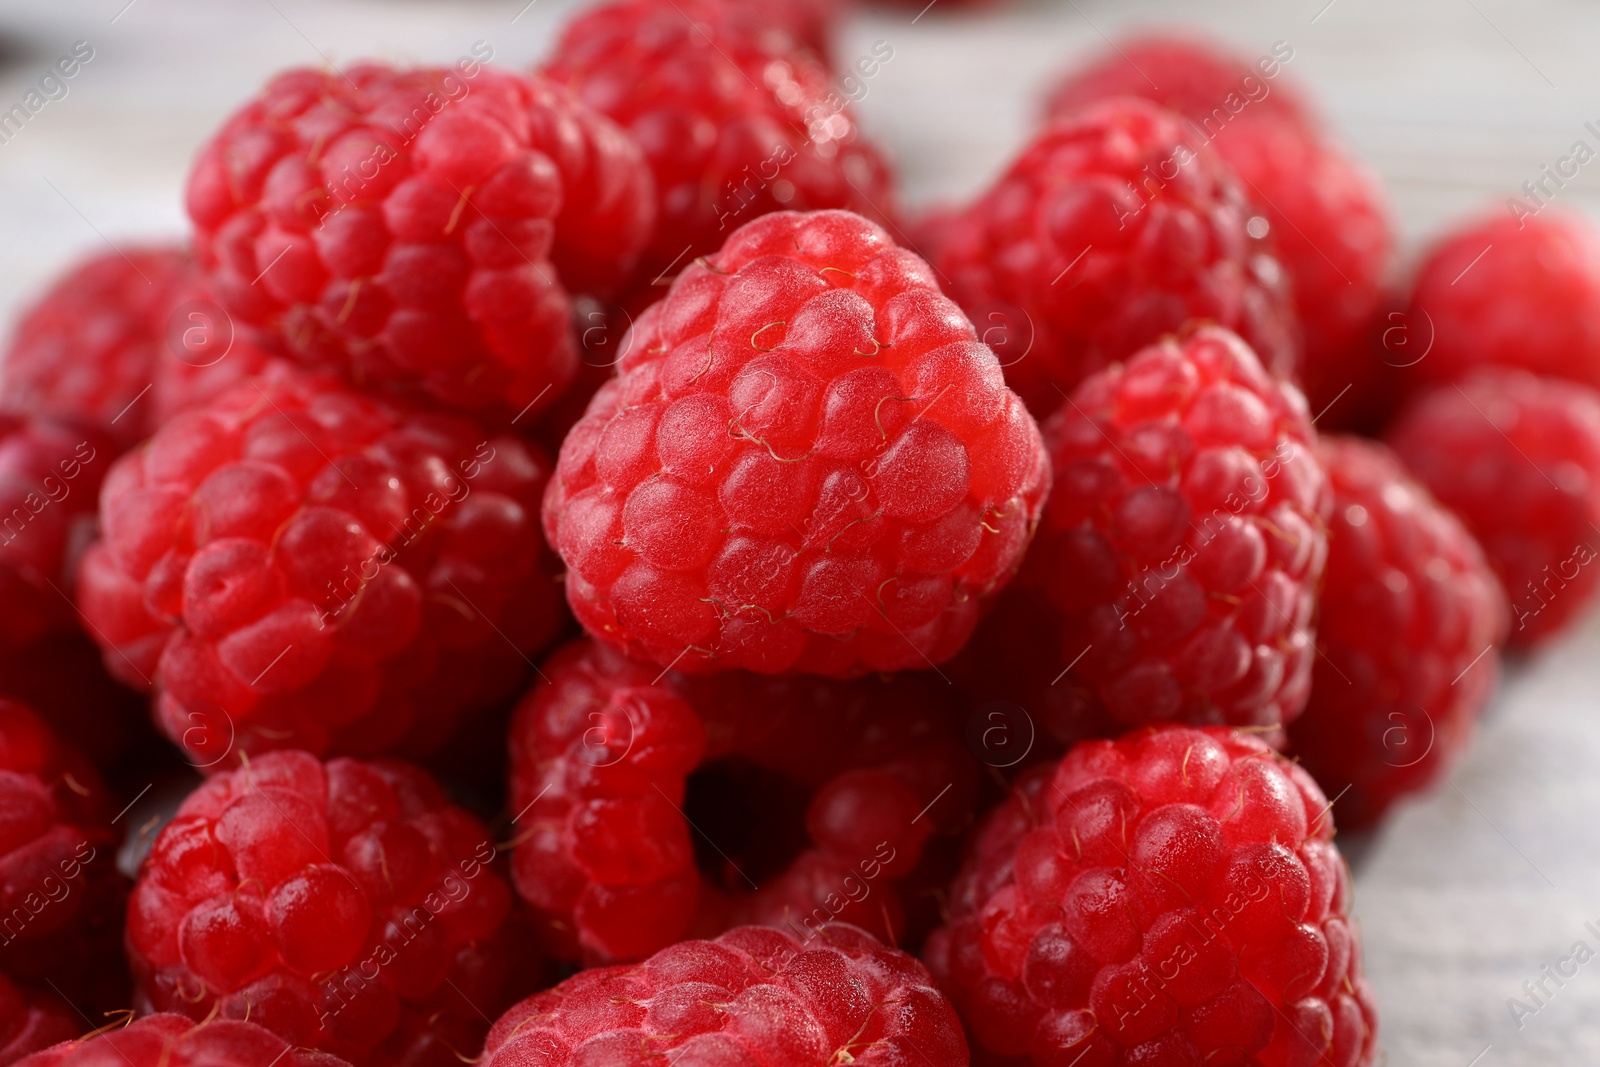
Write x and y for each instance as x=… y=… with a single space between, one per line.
x=421 y=229
x=1109 y=231
x=807 y=462
x=31 y=1020
x=168 y=1040
x=735 y=118
x=1411 y=618
x=1508 y=291
x=1517 y=457
x=50 y=476
x=1177 y=565
x=755 y=995
x=823 y=800
x=299 y=565
x=1171 y=897
x=345 y=906
x=60 y=893
x=1328 y=215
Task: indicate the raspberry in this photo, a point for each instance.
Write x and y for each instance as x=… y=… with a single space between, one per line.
x=1518 y=458
x=1326 y=212
x=168 y=1040
x=60 y=893
x=806 y=799
x=1177 y=563
x=1109 y=231
x=437 y=271
x=301 y=566
x=345 y=906
x=1512 y=292
x=116 y=327
x=807 y=462
x=752 y=996
x=1410 y=613
x=734 y=118
x=65 y=680
x=50 y=475
x=1196 y=79
x=1172 y=897
x=31 y=1020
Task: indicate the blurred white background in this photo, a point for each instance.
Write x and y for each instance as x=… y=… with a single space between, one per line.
x=1465 y=895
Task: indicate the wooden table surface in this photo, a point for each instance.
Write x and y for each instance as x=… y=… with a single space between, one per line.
x=1465 y=895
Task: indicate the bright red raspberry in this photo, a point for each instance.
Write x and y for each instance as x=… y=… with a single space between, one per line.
x=31 y=1020
x=60 y=893
x=50 y=475
x=1201 y=80
x=755 y=995
x=420 y=228
x=735 y=119
x=1327 y=214
x=1108 y=232
x=124 y=342
x=1177 y=565
x=168 y=1040
x=345 y=906
x=1172 y=897
x=650 y=805
x=1410 y=621
x=302 y=566
x=1512 y=292
x=807 y=462
x=1518 y=458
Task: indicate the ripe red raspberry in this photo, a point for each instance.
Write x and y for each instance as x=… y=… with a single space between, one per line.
x=407 y=227
x=345 y=906
x=807 y=462
x=1410 y=619
x=50 y=475
x=1327 y=213
x=1511 y=292
x=1108 y=232
x=1177 y=564
x=801 y=800
x=755 y=995
x=1196 y=78
x=1172 y=897
x=302 y=566
x=1518 y=458
x=60 y=893
x=735 y=119
x=124 y=342
x=168 y=1040
x=31 y=1020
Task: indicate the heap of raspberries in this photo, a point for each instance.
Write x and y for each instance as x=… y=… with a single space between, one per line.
x=548 y=573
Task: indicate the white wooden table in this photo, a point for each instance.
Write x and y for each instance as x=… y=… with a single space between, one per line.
x=1465 y=895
